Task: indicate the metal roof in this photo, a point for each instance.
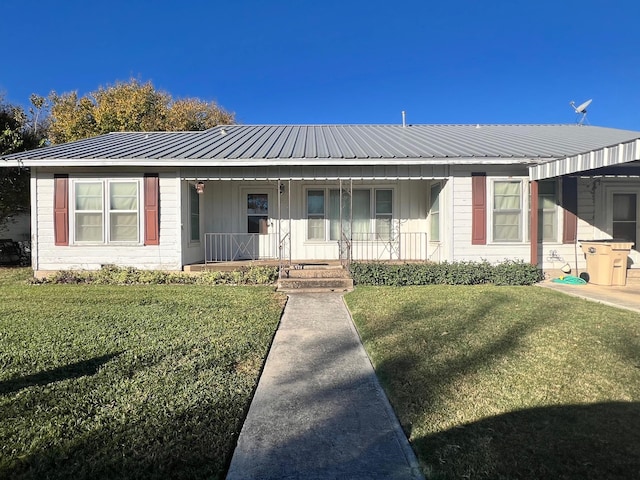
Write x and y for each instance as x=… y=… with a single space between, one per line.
x=330 y=144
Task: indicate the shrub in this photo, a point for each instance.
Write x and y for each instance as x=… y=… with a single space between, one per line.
x=114 y=275
x=509 y=272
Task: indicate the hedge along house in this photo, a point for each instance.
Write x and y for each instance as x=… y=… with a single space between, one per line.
x=309 y=193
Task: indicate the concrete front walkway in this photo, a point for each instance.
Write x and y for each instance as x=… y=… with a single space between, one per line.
x=627 y=297
x=319 y=411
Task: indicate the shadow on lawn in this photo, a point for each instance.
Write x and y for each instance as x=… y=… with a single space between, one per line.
x=563 y=442
x=66 y=372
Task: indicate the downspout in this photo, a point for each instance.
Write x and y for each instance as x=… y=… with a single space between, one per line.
x=533 y=228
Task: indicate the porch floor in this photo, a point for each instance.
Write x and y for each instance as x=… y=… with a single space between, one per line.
x=236 y=264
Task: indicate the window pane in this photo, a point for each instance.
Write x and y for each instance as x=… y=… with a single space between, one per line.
x=625 y=231
x=88 y=196
x=547 y=211
x=257 y=224
x=507 y=188
x=624 y=207
x=548 y=226
x=383 y=227
x=507 y=202
x=315 y=228
x=361 y=220
x=547 y=203
x=434 y=227
x=507 y=212
x=124 y=227
x=506 y=226
x=547 y=187
x=88 y=227
x=194 y=209
x=123 y=196
x=434 y=213
x=315 y=202
x=257 y=204
x=334 y=214
x=383 y=202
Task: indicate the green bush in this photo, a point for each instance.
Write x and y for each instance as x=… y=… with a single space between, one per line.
x=114 y=275
x=509 y=272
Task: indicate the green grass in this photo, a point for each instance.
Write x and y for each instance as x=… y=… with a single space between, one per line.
x=507 y=382
x=127 y=381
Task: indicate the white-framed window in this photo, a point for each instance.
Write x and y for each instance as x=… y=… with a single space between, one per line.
x=384 y=214
x=506 y=209
x=106 y=211
x=371 y=219
x=315 y=215
x=548 y=210
x=360 y=219
x=434 y=212
x=194 y=215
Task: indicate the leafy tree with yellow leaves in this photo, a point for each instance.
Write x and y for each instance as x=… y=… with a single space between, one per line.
x=128 y=106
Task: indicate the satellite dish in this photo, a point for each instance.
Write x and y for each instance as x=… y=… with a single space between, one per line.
x=581 y=110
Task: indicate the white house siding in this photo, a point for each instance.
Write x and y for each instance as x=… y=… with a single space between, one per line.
x=50 y=257
x=457 y=230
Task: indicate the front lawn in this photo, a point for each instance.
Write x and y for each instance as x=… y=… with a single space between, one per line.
x=507 y=382
x=127 y=381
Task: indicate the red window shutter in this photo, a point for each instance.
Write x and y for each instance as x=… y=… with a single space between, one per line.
x=570 y=206
x=61 y=209
x=479 y=209
x=151 y=209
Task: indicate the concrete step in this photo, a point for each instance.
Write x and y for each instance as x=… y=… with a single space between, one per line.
x=316 y=272
x=315 y=284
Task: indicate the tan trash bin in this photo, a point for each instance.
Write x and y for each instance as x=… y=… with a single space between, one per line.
x=606 y=260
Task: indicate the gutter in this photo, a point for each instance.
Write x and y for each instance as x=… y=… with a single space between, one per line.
x=297 y=162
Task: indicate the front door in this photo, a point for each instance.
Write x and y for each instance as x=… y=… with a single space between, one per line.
x=259 y=224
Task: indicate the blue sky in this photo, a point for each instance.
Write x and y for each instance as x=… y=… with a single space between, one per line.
x=340 y=61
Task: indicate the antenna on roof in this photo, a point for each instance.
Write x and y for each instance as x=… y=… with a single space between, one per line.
x=581 y=110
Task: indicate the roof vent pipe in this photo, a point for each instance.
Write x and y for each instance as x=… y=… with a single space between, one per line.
x=404 y=119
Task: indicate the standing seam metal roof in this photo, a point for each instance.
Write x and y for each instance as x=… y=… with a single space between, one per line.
x=328 y=142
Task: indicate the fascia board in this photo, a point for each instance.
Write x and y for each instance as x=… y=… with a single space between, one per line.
x=177 y=162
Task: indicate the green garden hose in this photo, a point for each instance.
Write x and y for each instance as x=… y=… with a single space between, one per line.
x=569 y=280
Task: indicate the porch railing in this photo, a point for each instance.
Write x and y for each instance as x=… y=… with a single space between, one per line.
x=397 y=247
x=229 y=247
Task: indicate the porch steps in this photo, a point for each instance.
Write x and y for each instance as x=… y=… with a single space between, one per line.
x=314 y=278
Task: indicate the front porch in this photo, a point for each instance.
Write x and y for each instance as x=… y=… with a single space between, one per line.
x=337 y=214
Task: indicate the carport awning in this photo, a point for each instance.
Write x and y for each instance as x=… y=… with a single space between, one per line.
x=603 y=157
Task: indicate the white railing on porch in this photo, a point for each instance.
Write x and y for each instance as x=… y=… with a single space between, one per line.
x=229 y=247
x=398 y=247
